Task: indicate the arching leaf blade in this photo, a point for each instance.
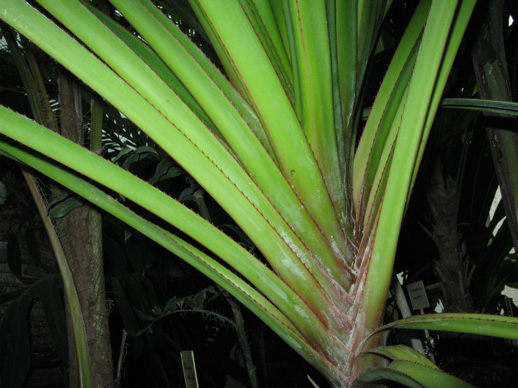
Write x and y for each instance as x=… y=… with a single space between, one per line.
x=236 y=286
x=402 y=353
x=412 y=132
x=413 y=375
x=247 y=148
x=274 y=108
x=505 y=108
x=154 y=201
x=480 y=324
x=198 y=151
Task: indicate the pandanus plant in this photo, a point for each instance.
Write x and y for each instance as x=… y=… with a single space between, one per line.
x=272 y=137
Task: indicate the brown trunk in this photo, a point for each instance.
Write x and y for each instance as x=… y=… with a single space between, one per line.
x=80 y=235
x=451 y=266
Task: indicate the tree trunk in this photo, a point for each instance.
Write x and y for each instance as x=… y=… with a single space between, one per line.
x=451 y=267
x=81 y=237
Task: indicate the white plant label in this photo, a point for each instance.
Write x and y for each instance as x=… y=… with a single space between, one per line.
x=417 y=294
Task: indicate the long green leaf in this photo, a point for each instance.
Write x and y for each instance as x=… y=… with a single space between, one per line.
x=382 y=126
x=233 y=176
x=243 y=142
x=307 y=320
x=155 y=63
x=268 y=98
x=357 y=27
x=311 y=57
x=504 y=108
x=71 y=293
x=413 y=375
x=197 y=150
x=265 y=26
x=481 y=324
x=413 y=130
x=134 y=189
x=461 y=19
x=402 y=353
x=247 y=295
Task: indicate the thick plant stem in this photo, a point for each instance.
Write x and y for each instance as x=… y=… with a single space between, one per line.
x=450 y=268
x=82 y=240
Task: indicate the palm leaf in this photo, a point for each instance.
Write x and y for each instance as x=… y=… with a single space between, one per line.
x=274 y=146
